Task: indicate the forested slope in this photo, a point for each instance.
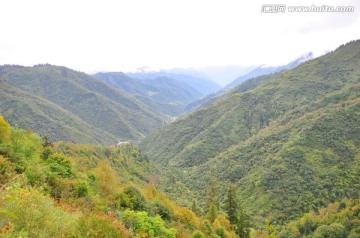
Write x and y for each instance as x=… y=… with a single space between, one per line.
x=72 y=190
x=289 y=140
x=67 y=105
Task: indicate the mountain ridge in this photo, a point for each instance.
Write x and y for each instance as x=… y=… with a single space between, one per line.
x=162 y=94
x=203 y=86
x=227 y=134
x=97 y=104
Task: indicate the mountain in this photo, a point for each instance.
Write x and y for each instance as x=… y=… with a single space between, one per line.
x=259 y=71
x=221 y=75
x=262 y=70
x=162 y=94
x=67 y=105
x=201 y=84
x=30 y=111
x=206 y=101
x=70 y=190
x=289 y=141
x=337 y=219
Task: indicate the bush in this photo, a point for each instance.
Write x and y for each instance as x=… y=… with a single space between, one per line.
x=60 y=165
x=146 y=226
x=132 y=199
x=93 y=227
x=335 y=230
x=106 y=179
x=6 y=170
x=197 y=234
x=32 y=214
x=81 y=188
x=158 y=208
x=5 y=130
x=187 y=217
x=36 y=174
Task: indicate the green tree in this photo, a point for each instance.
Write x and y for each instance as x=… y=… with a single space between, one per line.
x=212 y=213
x=236 y=214
x=243 y=224
x=195 y=208
x=5 y=130
x=231 y=204
x=60 y=165
x=133 y=199
x=158 y=208
x=145 y=226
x=197 y=234
x=212 y=193
x=335 y=230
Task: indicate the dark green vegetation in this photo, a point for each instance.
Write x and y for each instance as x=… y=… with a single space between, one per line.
x=337 y=220
x=247 y=162
x=162 y=94
x=71 y=106
x=68 y=190
x=288 y=141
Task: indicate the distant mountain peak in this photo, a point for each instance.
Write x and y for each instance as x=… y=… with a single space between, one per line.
x=267 y=69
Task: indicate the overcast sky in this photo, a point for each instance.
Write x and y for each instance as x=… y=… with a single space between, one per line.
x=121 y=35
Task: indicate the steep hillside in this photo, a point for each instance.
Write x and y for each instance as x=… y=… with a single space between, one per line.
x=52 y=93
x=338 y=219
x=162 y=94
x=30 y=111
x=289 y=140
x=261 y=73
x=67 y=190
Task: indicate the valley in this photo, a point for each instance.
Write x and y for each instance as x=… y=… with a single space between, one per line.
x=169 y=154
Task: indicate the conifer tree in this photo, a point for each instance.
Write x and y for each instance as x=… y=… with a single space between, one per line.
x=231 y=204
x=212 y=193
x=236 y=214
x=212 y=213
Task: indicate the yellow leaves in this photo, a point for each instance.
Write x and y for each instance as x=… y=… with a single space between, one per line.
x=187 y=217
x=222 y=222
x=34 y=213
x=5 y=130
x=106 y=179
x=150 y=191
x=91 y=225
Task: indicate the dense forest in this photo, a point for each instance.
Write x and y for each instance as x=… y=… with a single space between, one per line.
x=66 y=105
x=288 y=141
x=276 y=156
x=78 y=190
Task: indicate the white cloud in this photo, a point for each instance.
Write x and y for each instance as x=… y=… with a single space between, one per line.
x=125 y=35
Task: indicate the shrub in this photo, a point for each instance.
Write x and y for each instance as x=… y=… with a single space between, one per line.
x=94 y=226
x=158 y=208
x=132 y=199
x=146 y=226
x=32 y=214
